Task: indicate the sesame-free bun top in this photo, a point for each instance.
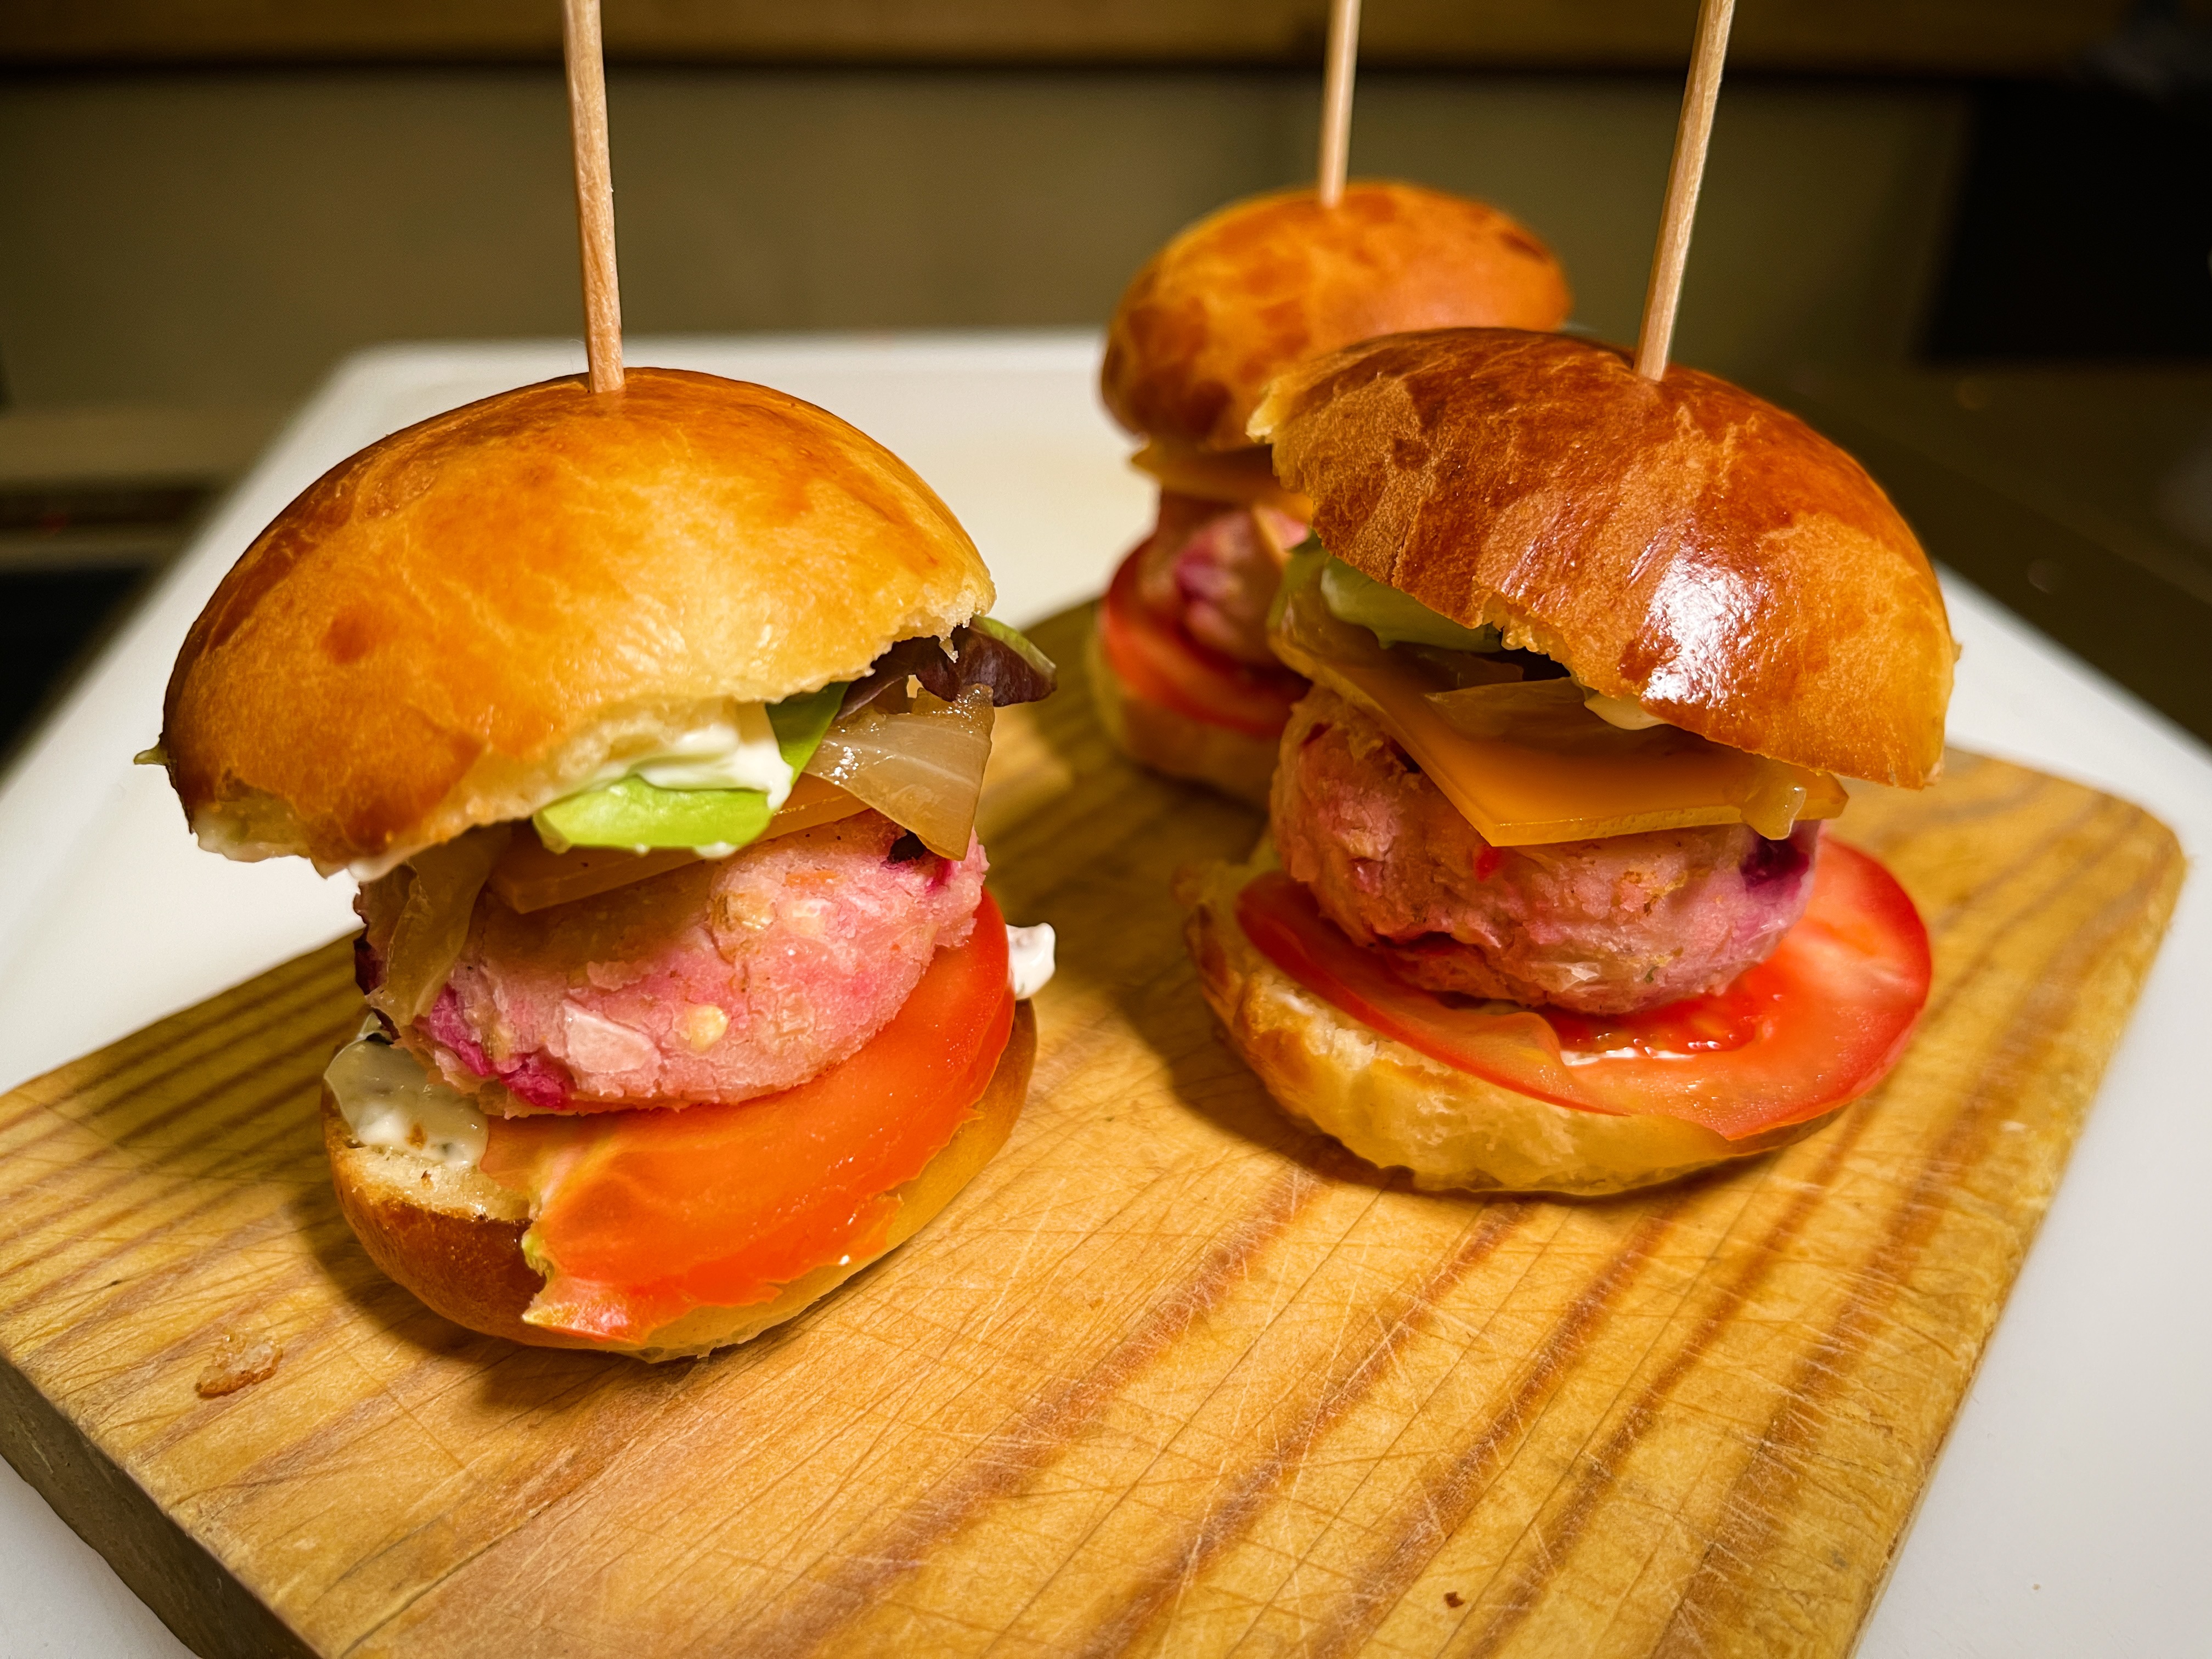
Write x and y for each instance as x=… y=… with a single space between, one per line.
x=469 y=618
x=1266 y=283
x=1681 y=545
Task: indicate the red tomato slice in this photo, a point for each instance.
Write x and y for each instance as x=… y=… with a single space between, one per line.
x=1163 y=665
x=1818 y=1022
x=642 y=1216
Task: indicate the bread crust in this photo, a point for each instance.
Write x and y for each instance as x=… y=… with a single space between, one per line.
x=467 y=618
x=1681 y=544
x=454 y=1237
x=1234 y=763
x=1398 y=1109
x=1265 y=282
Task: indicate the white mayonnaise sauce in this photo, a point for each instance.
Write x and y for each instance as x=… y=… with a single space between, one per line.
x=1620 y=712
x=389 y=1101
x=739 y=753
x=1030 y=958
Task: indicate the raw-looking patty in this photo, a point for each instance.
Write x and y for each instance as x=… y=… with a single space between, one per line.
x=1601 y=927
x=1205 y=565
x=717 y=980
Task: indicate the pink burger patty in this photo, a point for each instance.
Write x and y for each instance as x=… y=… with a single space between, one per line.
x=717 y=980
x=1204 y=565
x=1601 y=927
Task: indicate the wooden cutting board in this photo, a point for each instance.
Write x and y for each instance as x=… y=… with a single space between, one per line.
x=1169 y=1377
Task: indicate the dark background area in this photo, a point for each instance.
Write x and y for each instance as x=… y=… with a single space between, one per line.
x=50 y=622
x=1969 y=238
x=2083 y=229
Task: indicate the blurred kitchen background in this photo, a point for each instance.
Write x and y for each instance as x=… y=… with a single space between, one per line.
x=1969 y=238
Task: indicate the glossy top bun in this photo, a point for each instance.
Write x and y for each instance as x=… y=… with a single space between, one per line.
x=467 y=619
x=1268 y=281
x=1681 y=545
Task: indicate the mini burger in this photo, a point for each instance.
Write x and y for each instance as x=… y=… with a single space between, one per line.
x=1546 y=904
x=1186 y=680
x=652 y=724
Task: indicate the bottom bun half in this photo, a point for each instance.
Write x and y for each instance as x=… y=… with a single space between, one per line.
x=454 y=1236
x=1239 y=765
x=1398 y=1109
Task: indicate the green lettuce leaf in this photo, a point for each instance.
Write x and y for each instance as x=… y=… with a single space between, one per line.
x=631 y=813
x=1394 y=617
x=800 y=722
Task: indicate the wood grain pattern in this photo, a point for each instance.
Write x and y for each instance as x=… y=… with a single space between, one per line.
x=1171 y=1376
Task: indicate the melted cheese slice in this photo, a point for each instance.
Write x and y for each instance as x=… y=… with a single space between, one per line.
x=1527 y=764
x=1242 y=477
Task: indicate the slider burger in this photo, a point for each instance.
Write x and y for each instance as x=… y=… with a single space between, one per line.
x=1546 y=904
x=1186 y=681
x=652 y=726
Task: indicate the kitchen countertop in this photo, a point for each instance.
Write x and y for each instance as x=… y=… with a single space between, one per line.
x=2069 y=1513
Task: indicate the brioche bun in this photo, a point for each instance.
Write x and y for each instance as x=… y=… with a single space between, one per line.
x=467 y=619
x=1169 y=741
x=1397 y=1108
x=1679 y=544
x=454 y=1236
x=1263 y=283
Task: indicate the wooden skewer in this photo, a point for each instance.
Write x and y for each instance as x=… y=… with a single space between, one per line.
x=595 y=191
x=1690 y=136
x=1336 y=100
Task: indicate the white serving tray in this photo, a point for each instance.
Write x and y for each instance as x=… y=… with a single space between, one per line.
x=2072 y=1513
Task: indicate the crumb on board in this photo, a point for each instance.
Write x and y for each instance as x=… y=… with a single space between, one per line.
x=238 y=1362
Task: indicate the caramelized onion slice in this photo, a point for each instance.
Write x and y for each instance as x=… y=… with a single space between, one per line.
x=922 y=768
x=441 y=884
